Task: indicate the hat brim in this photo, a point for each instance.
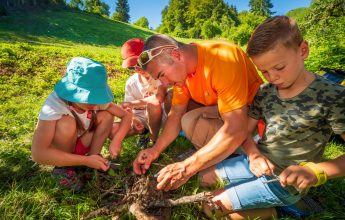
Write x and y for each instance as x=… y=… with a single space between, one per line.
x=72 y=93
x=130 y=61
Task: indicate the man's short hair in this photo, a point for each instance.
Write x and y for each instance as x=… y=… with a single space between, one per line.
x=278 y=29
x=161 y=40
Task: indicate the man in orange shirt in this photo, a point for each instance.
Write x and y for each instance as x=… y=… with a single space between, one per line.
x=220 y=77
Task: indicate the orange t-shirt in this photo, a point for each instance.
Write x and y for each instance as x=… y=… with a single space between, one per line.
x=225 y=76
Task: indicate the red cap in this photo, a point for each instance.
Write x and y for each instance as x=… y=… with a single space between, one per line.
x=130 y=51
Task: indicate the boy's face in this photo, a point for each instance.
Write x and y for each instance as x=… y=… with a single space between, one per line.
x=282 y=66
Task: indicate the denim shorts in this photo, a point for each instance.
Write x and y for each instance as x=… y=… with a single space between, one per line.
x=246 y=191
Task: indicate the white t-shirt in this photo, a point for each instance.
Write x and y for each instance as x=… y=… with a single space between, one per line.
x=54 y=108
x=138 y=87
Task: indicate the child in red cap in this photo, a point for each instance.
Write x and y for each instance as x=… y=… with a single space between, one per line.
x=144 y=95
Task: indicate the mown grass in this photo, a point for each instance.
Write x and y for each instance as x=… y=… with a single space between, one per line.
x=32 y=60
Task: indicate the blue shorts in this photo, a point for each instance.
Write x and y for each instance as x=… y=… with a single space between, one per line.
x=246 y=191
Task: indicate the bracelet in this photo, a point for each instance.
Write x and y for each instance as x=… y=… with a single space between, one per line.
x=318 y=171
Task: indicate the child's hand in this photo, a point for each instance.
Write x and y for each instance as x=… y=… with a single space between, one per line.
x=144 y=159
x=260 y=165
x=97 y=162
x=115 y=148
x=298 y=176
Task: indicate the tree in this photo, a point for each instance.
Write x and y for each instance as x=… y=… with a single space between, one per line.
x=261 y=7
x=77 y=4
x=96 y=7
x=142 y=22
x=121 y=11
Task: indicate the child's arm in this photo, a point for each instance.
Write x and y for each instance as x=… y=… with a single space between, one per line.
x=43 y=152
x=125 y=125
x=141 y=103
x=258 y=163
x=303 y=177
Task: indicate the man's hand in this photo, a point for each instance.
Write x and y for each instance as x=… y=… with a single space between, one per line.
x=298 y=176
x=172 y=176
x=260 y=165
x=97 y=162
x=144 y=159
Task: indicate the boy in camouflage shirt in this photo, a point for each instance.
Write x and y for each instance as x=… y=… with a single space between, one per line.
x=300 y=110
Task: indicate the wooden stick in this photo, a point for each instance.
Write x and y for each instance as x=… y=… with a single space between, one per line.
x=136 y=210
x=200 y=197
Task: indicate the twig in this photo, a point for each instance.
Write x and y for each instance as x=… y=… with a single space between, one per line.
x=200 y=197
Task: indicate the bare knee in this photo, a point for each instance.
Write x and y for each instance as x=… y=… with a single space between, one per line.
x=208 y=177
x=104 y=117
x=154 y=108
x=220 y=206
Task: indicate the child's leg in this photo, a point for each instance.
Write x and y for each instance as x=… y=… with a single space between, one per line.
x=244 y=195
x=96 y=139
x=65 y=134
x=225 y=209
x=154 y=114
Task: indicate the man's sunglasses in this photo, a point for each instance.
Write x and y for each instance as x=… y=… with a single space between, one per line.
x=147 y=55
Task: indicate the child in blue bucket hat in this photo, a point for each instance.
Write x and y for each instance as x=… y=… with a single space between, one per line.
x=76 y=119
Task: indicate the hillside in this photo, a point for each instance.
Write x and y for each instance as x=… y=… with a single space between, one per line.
x=67 y=27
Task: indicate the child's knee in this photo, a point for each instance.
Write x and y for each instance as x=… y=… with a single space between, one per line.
x=154 y=108
x=208 y=177
x=220 y=205
x=104 y=117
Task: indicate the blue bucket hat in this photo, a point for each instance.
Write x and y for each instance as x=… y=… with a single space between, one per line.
x=85 y=82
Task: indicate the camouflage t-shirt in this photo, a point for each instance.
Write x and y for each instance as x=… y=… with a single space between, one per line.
x=298 y=128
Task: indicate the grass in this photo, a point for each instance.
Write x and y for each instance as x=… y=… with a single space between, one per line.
x=34 y=51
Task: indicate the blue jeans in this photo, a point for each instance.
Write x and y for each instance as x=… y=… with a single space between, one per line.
x=246 y=191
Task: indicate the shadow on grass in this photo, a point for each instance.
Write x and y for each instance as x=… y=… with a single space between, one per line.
x=67 y=26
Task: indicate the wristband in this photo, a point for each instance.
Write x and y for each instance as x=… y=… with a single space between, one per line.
x=318 y=171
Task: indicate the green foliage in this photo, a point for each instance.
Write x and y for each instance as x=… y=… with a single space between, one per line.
x=96 y=7
x=241 y=34
x=209 y=30
x=77 y=4
x=142 y=22
x=191 y=18
x=121 y=11
x=261 y=7
x=323 y=25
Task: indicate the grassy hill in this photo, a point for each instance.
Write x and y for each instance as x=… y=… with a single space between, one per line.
x=34 y=51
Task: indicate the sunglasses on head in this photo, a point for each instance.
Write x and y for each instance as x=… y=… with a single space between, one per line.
x=147 y=55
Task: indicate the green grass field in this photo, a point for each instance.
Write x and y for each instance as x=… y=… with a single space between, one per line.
x=34 y=51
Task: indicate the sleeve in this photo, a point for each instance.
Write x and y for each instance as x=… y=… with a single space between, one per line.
x=336 y=117
x=231 y=81
x=255 y=109
x=53 y=109
x=180 y=95
x=129 y=93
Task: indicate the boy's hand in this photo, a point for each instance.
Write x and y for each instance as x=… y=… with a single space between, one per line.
x=260 y=165
x=298 y=176
x=115 y=148
x=97 y=162
x=144 y=159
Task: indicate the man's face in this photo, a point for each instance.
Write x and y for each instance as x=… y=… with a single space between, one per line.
x=172 y=73
x=282 y=66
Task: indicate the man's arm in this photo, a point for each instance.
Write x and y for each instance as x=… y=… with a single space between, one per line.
x=170 y=131
x=228 y=138
x=224 y=142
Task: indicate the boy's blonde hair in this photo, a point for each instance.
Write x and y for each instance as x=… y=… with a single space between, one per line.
x=278 y=29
